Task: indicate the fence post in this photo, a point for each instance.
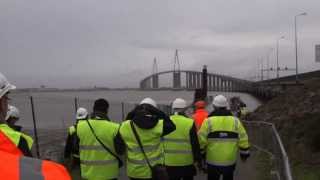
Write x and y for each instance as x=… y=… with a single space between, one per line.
x=35 y=128
x=122 y=108
x=76 y=104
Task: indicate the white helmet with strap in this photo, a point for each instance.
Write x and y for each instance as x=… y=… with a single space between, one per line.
x=179 y=104
x=5 y=86
x=13 y=112
x=149 y=101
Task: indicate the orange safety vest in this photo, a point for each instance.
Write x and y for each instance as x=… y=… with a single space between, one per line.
x=7 y=145
x=15 y=166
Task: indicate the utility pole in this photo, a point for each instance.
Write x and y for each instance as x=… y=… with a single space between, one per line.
x=278 y=68
x=296 y=42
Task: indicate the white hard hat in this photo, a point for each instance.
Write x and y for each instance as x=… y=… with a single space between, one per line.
x=13 y=112
x=82 y=113
x=220 y=101
x=149 y=101
x=179 y=104
x=5 y=86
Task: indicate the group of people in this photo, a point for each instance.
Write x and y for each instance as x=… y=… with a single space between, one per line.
x=148 y=138
x=153 y=144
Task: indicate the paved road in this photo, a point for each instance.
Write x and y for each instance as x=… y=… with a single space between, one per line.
x=244 y=171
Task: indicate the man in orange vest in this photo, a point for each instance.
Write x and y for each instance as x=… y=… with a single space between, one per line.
x=200 y=113
x=14 y=165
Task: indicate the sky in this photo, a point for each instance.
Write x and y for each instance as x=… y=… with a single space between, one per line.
x=112 y=43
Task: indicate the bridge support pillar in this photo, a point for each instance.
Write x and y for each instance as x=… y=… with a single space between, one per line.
x=176 y=79
x=210 y=83
x=155 y=81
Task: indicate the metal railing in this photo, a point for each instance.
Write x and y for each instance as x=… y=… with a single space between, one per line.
x=265 y=137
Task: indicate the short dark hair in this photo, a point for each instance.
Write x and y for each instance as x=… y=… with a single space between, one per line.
x=101 y=105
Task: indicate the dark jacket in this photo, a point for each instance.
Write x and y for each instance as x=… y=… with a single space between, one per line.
x=146 y=116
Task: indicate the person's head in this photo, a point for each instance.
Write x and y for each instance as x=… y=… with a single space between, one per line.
x=149 y=101
x=101 y=105
x=179 y=105
x=82 y=113
x=5 y=88
x=200 y=104
x=13 y=115
x=220 y=102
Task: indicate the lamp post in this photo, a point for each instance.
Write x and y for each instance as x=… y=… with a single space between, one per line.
x=296 y=41
x=282 y=37
x=268 y=62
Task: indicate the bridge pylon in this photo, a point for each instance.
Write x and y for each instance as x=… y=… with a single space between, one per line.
x=155 y=77
x=176 y=72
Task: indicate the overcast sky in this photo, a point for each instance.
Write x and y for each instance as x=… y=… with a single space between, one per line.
x=82 y=43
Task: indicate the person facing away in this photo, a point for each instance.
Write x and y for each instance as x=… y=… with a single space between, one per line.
x=181 y=147
x=13 y=147
x=71 y=150
x=13 y=116
x=95 y=135
x=200 y=113
x=221 y=136
x=151 y=124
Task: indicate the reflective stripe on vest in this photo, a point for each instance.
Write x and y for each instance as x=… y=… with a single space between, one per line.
x=150 y=138
x=95 y=161
x=7 y=145
x=223 y=138
x=145 y=148
x=91 y=148
x=176 y=140
x=177 y=145
x=30 y=168
x=99 y=162
x=177 y=151
x=15 y=167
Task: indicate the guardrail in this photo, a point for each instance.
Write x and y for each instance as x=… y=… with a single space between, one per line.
x=265 y=137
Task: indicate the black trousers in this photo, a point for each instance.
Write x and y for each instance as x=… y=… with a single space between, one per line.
x=139 y=179
x=214 y=172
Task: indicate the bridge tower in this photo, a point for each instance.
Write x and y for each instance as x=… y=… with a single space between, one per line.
x=155 y=76
x=176 y=71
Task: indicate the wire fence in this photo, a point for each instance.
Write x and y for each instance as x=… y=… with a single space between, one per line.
x=264 y=137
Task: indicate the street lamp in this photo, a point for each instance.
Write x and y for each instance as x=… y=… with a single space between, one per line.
x=268 y=62
x=296 y=41
x=282 y=37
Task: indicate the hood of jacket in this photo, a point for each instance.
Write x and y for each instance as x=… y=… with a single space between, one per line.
x=221 y=112
x=146 y=116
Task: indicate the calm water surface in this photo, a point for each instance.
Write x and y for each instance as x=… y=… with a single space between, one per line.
x=56 y=109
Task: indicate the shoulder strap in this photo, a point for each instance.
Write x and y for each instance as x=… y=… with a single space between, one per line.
x=136 y=135
x=103 y=145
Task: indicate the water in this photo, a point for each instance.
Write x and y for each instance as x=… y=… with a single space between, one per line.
x=55 y=110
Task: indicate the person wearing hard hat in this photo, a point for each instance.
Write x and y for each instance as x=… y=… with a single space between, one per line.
x=13 y=147
x=71 y=150
x=221 y=136
x=200 y=113
x=99 y=144
x=15 y=137
x=146 y=124
x=181 y=147
x=13 y=116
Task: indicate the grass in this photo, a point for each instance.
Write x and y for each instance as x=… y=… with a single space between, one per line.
x=305 y=172
x=264 y=165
